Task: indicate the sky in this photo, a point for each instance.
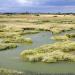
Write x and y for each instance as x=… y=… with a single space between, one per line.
x=44 y=6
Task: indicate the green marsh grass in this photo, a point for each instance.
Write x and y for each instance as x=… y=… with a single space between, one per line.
x=4 y=46
x=17 y=40
x=51 y=53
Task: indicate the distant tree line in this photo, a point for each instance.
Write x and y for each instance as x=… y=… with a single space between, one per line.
x=37 y=14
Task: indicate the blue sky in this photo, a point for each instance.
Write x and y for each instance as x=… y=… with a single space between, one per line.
x=37 y=5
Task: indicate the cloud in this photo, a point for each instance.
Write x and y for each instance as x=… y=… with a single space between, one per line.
x=29 y=2
x=25 y=2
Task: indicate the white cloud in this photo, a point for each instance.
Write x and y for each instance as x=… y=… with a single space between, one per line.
x=29 y=2
x=24 y=1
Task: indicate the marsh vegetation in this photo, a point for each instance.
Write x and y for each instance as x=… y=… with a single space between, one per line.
x=17 y=40
x=4 y=46
x=18 y=31
x=9 y=72
x=56 y=52
x=60 y=38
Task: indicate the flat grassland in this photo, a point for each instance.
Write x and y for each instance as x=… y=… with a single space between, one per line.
x=54 y=23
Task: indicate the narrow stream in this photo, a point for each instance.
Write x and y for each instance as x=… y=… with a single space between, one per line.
x=11 y=58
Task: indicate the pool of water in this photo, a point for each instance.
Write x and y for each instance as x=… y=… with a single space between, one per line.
x=11 y=58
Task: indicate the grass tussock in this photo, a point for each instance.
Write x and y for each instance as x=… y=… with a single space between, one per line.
x=72 y=35
x=4 y=46
x=9 y=72
x=17 y=40
x=60 y=38
x=51 y=53
x=9 y=34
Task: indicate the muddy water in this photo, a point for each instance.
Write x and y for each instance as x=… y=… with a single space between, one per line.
x=11 y=58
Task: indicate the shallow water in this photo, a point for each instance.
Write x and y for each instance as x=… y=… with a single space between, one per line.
x=11 y=58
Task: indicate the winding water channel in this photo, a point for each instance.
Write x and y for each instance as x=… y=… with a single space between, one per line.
x=11 y=58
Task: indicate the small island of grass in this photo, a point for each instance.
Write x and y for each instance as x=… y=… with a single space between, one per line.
x=56 y=52
x=60 y=38
x=9 y=72
x=4 y=46
x=17 y=40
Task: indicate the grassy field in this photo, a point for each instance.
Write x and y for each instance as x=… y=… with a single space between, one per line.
x=54 y=23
